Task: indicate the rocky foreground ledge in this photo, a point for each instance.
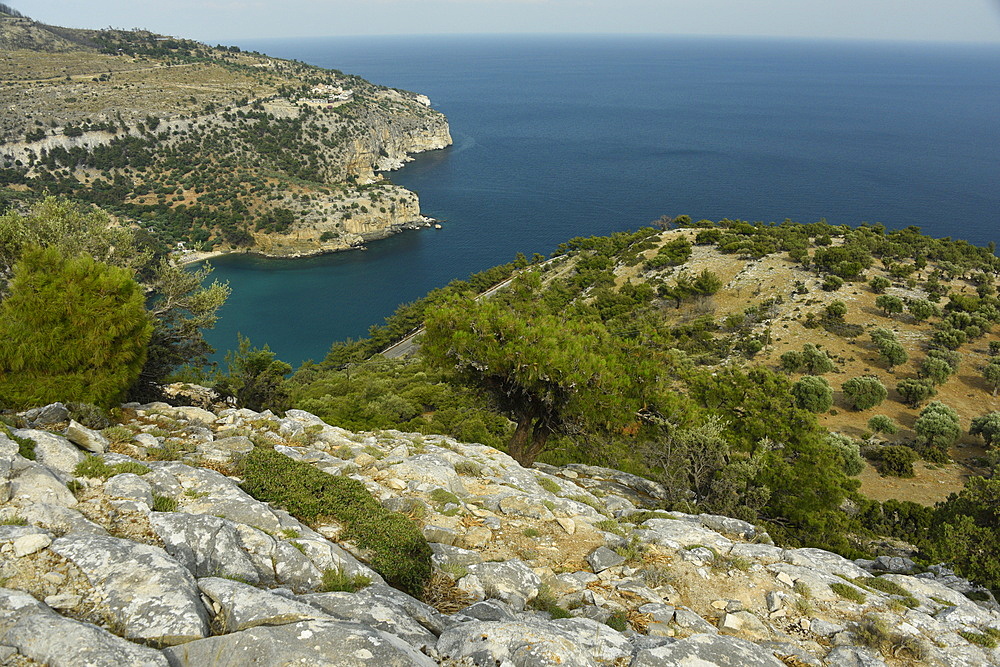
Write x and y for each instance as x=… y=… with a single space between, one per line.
x=136 y=546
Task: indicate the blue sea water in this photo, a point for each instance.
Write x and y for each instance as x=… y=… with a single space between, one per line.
x=557 y=137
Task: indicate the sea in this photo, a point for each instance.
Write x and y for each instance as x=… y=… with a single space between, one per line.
x=563 y=136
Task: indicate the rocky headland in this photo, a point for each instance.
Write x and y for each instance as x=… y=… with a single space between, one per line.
x=140 y=545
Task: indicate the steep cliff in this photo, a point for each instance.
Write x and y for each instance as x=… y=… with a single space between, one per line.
x=210 y=146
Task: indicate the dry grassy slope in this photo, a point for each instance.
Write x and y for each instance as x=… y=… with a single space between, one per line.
x=751 y=281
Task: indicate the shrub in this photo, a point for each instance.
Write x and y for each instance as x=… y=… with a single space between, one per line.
x=546 y=601
x=895 y=461
x=549 y=484
x=848 y=451
x=832 y=283
x=889 y=304
x=939 y=427
x=864 y=392
x=882 y=424
x=164 y=503
x=95 y=466
x=398 y=551
x=848 y=592
x=935 y=370
x=25 y=446
x=914 y=392
x=813 y=393
x=879 y=284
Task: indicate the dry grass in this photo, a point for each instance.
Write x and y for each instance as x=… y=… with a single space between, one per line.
x=442 y=593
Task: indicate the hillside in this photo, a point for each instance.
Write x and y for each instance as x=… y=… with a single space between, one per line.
x=211 y=146
x=544 y=566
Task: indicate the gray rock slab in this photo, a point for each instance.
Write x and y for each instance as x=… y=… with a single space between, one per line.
x=430 y=469
x=152 y=596
x=206 y=545
x=728 y=525
x=511 y=581
x=489 y=610
x=53 y=451
x=242 y=606
x=854 y=656
x=131 y=486
x=824 y=561
x=15 y=605
x=707 y=650
x=677 y=534
x=318 y=643
x=61 y=520
x=602 y=558
x=87 y=438
x=35 y=483
x=527 y=642
x=51 y=639
x=193 y=414
x=690 y=620
x=444 y=554
x=217 y=495
x=53 y=413
x=374 y=611
x=293 y=568
x=600 y=641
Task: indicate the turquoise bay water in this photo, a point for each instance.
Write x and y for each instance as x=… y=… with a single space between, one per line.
x=557 y=137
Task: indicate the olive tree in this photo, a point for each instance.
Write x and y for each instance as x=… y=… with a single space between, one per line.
x=864 y=392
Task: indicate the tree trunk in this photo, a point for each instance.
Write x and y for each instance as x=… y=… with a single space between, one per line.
x=528 y=440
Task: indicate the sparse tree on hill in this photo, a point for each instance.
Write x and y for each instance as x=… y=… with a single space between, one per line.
x=938 y=427
x=882 y=424
x=813 y=393
x=889 y=304
x=987 y=426
x=991 y=373
x=864 y=392
x=914 y=391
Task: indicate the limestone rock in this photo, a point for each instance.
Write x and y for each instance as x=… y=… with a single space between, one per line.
x=60 y=520
x=316 y=643
x=29 y=544
x=445 y=555
x=854 y=656
x=373 y=610
x=824 y=561
x=526 y=642
x=131 y=486
x=676 y=534
x=50 y=639
x=707 y=650
x=150 y=595
x=242 y=606
x=88 y=439
x=205 y=545
x=602 y=558
x=52 y=413
x=37 y=484
x=53 y=451
x=511 y=581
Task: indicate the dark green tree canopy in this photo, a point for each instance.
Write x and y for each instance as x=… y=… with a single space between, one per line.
x=71 y=327
x=547 y=373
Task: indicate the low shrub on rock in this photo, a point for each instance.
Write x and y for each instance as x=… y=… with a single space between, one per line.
x=399 y=552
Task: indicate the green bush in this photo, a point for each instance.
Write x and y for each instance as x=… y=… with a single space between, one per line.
x=864 y=392
x=398 y=551
x=813 y=393
x=895 y=461
x=25 y=446
x=848 y=592
x=882 y=424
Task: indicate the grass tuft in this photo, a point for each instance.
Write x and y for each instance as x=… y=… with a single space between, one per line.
x=95 y=466
x=338 y=580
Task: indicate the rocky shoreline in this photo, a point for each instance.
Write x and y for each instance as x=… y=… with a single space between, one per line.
x=137 y=545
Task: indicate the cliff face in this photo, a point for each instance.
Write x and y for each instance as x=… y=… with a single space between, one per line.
x=230 y=143
x=150 y=553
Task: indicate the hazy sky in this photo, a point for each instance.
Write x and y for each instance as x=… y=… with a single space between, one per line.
x=230 y=20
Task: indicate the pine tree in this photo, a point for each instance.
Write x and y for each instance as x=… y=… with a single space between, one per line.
x=71 y=329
